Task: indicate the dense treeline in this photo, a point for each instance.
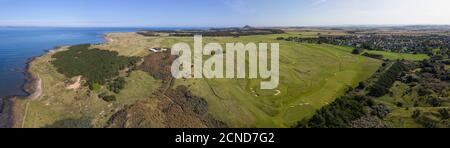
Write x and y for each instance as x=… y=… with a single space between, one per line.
x=148 y=33
x=339 y=114
x=375 y=56
x=95 y=65
x=387 y=80
x=224 y=32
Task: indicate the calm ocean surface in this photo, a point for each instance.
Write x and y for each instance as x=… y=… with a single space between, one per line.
x=17 y=44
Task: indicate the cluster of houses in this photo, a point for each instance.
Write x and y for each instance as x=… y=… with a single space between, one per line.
x=394 y=43
x=157 y=50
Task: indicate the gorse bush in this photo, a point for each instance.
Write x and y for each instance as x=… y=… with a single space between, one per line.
x=97 y=66
x=117 y=85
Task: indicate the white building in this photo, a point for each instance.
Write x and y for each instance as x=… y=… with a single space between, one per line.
x=156 y=50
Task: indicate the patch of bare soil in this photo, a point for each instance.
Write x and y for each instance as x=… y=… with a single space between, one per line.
x=76 y=83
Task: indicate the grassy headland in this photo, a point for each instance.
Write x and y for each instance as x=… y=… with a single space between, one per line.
x=312 y=76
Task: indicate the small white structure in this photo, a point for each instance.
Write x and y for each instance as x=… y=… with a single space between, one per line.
x=156 y=50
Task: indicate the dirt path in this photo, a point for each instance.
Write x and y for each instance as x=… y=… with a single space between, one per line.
x=25 y=115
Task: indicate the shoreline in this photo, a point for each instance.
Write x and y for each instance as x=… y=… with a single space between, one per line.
x=9 y=109
x=33 y=88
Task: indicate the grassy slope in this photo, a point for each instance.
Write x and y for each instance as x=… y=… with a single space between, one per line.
x=311 y=77
x=401 y=117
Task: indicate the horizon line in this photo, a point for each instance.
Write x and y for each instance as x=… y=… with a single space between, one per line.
x=230 y=26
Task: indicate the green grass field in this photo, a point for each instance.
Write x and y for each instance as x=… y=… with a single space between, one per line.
x=312 y=76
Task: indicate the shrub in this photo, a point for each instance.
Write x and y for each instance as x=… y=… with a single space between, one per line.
x=361 y=86
x=280 y=38
x=117 y=85
x=95 y=87
x=375 y=56
x=110 y=98
x=381 y=111
x=357 y=51
x=107 y=98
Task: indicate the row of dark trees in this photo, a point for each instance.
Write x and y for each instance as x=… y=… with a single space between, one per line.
x=387 y=80
x=375 y=56
x=226 y=32
x=339 y=114
x=148 y=33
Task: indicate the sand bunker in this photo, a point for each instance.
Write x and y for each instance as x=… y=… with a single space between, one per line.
x=76 y=84
x=278 y=92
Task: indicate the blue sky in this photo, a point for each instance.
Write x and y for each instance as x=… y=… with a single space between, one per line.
x=221 y=13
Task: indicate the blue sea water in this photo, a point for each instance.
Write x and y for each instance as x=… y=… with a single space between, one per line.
x=18 y=44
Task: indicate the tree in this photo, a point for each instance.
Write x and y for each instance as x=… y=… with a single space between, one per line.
x=95 y=87
x=117 y=85
x=280 y=38
x=357 y=51
x=361 y=86
x=110 y=98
